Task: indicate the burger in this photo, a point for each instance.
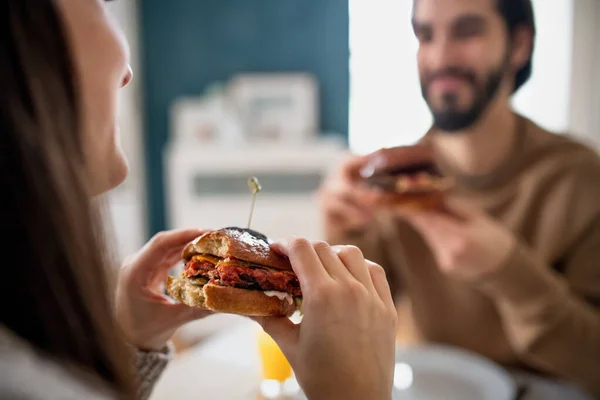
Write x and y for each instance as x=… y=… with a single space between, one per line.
x=418 y=186
x=233 y=270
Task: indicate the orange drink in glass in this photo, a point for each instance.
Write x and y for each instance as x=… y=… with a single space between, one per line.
x=275 y=367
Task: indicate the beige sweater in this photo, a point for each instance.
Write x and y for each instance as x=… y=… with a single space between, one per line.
x=541 y=311
x=25 y=374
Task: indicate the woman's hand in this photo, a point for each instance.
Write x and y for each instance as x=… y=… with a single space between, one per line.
x=344 y=347
x=147 y=316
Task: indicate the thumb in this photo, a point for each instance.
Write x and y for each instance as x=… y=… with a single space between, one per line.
x=283 y=331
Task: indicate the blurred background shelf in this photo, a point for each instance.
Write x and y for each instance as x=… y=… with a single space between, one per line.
x=207 y=186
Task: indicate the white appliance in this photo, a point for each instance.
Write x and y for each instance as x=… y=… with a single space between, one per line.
x=207 y=185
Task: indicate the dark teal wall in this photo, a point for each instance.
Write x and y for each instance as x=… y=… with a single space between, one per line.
x=188 y=44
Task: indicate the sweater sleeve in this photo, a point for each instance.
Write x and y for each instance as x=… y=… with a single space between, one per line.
x=553 y=319
x=149 y=366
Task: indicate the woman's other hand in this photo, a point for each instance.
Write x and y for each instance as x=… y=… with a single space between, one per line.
x=147 y=316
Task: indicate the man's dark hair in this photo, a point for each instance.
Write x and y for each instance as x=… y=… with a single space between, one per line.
x=518 y=13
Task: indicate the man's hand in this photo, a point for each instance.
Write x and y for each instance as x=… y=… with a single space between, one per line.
x=343 y=202
x=346 y=204
x=467 y=244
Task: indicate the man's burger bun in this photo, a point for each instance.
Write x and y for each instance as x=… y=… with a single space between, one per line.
x=416 y=187
x=413 y=201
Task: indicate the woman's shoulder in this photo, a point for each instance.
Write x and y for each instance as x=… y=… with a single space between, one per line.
x=25 y=374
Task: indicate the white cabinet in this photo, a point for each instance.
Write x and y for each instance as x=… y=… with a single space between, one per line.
x=206 y=186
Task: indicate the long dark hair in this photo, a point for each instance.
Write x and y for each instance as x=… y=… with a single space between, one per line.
x=56 y=287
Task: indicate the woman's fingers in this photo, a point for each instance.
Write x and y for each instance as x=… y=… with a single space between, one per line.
x=304 y=260
x=319 y=260
x=331 y=262
x=380 y=283
x=165 y=245
x=354 y=262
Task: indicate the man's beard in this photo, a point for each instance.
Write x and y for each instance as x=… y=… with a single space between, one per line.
x=449 y=118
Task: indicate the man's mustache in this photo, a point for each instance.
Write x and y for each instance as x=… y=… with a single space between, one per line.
x=451 y=72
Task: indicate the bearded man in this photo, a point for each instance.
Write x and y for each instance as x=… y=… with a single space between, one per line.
x=510 y=267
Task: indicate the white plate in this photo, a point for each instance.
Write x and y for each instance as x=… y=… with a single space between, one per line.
x=440 y=372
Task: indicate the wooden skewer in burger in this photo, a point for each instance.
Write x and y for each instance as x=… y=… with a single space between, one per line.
x=233 y=270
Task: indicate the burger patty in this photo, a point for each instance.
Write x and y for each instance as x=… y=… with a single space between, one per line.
x=261 y=279
x=245 y=277
x=200 y=268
